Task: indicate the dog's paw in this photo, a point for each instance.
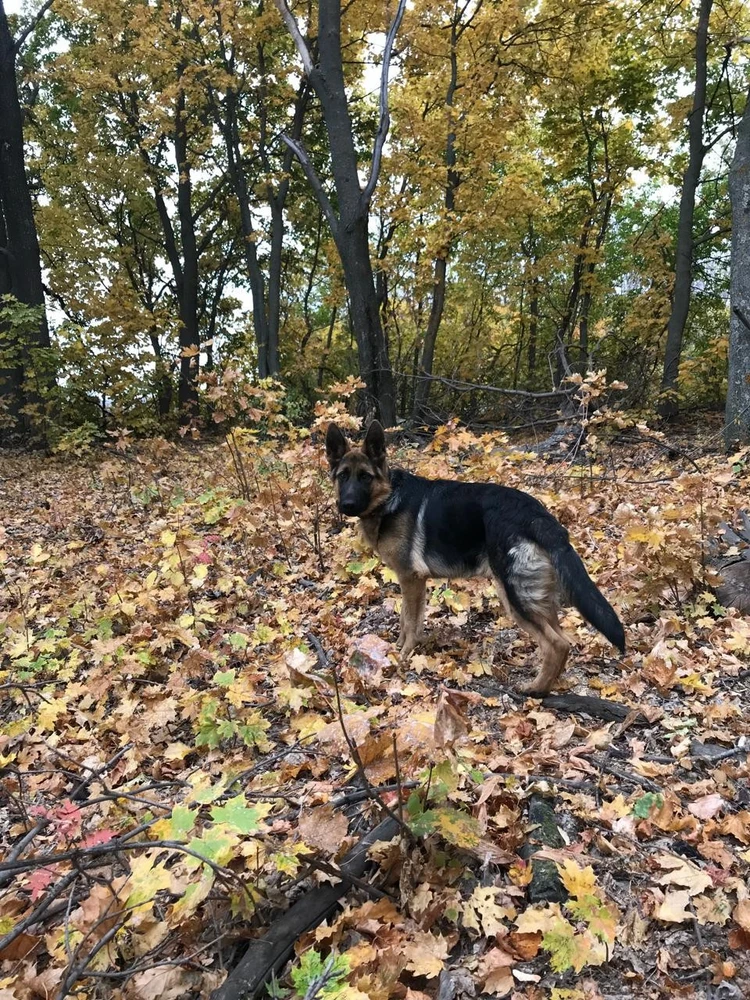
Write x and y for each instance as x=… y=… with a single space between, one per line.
x=533 y=689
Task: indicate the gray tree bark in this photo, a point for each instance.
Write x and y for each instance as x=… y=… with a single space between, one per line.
x=737 y=430
x=683 y=275
x=349 y=220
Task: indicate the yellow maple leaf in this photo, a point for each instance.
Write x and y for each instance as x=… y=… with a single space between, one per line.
x=578 y=881
x=49 y=712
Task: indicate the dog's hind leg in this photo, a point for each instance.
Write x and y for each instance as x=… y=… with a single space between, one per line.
x=412 y=612
x=554 y=645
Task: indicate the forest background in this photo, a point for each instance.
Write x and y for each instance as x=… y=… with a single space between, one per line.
x=226 y=192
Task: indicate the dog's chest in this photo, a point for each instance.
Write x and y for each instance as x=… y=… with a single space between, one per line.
x=369 y=531
x=389 y=538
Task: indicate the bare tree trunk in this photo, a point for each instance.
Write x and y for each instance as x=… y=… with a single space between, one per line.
x=349 y=224
x=422 y=388
x=683 y=276
x=20 y=270
x=738 y=389
x=187 y=285
x=533 y=329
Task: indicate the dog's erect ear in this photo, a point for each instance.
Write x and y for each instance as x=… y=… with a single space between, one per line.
x=374 y=444
x=336 y=446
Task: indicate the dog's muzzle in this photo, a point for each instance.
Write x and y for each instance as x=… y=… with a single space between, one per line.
x=350 y=509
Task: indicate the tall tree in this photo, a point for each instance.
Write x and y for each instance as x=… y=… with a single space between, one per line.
x=349 y=219
x=738 y=389
x=683 y=275
x=20 y=267
x=130 y=89
x=249 y=94
x=456 y=28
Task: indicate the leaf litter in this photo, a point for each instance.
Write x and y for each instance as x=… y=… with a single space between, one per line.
x=203 y=710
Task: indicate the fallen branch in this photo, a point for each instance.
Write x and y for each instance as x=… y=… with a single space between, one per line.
x=620 y=772
x=597 y=708
x=268 y=954
x=581 y=704
x=78 y=793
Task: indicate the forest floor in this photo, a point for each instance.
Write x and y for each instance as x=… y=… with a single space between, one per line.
x=203 y=711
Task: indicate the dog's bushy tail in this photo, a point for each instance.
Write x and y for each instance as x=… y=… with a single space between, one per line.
x=578 y=586
x=586 y=596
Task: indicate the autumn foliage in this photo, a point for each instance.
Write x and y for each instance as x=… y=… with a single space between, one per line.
x=522 y=227
x=204 y=711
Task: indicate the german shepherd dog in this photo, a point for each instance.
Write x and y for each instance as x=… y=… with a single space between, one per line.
x=424 y=528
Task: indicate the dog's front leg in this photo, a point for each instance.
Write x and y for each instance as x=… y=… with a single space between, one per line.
x=412 y=612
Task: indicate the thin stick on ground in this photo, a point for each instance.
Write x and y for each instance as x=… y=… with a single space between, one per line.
x=356 y=758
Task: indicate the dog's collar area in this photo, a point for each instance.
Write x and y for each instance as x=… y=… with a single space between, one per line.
x=391 y=503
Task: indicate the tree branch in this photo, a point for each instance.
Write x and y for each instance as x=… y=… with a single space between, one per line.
x=314 y=181
x=18 y=43
x=708 y=237
x=291 y=22
x=461 y=386
x=385 y=120
x=729 y=130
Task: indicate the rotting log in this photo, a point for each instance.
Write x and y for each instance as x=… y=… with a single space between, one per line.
x=268 y=954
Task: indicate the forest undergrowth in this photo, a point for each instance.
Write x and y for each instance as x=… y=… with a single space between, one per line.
x=203 y=710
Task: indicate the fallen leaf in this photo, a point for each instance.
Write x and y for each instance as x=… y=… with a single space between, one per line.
x=674 y=908
x=707 y=807
x=323 y=829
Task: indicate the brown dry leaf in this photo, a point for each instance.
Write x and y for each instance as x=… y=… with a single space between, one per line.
x=673 y=909
x=495 y=973
x=716 y=851
x=357 y=727
x=416 y=732
x=146 y=932
x=739 y=940
x=713 y=909
x=489 y=853
x=19 y=948
x=425 y=954
x=159 y=984
x=368 y=656
x=450 y=723
x=634 y=929
x=684 y=873
x=522 y=946
x=45 y=984
x=741 y=914
x=323 y=829
x=490 y=786
x=97 y=913
x=738 y=826
x=560 y=735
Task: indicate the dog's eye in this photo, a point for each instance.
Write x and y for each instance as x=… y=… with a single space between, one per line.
x=364 y=477
x=344 y=474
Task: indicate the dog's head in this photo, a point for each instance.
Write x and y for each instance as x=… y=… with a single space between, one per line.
x=360 y=474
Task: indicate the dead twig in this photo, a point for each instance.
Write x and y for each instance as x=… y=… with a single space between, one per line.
x=329 y=869
x=357 y=759
x=38 y=914
x=75 y=796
